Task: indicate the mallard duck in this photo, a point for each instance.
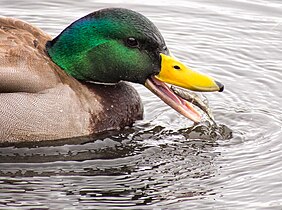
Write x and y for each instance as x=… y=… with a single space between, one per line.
x=77 y=83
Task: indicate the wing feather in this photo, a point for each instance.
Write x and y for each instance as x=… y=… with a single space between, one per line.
x=24 y=64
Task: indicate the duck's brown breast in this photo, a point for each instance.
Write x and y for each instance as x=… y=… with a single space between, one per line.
x=120 y=106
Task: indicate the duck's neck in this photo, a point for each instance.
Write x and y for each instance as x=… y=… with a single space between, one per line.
x=70 y=50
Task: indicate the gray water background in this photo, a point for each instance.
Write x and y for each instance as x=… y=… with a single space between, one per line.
x=164 y=162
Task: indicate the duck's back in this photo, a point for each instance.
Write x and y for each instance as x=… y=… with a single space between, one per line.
x=23 y=59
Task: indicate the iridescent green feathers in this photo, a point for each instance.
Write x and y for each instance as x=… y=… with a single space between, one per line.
x=108 y=46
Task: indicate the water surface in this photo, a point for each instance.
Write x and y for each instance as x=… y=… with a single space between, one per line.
x=164 y=161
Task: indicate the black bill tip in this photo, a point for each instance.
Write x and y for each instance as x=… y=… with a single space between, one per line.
x=221 y=86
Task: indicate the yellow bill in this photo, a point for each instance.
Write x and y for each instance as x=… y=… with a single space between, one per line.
x=176 y=73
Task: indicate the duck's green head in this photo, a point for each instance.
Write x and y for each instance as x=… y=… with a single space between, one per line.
x=115 y=44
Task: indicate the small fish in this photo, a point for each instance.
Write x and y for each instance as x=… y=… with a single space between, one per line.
x=195 y=100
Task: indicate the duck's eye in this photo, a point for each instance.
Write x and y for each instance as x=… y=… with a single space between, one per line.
x=132 y=42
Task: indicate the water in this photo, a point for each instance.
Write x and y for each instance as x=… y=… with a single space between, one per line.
x=164 y=162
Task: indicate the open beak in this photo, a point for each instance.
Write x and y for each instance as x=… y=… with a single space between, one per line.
x=176 y=73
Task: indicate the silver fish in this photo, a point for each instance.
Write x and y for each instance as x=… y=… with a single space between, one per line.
x=194 y=99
